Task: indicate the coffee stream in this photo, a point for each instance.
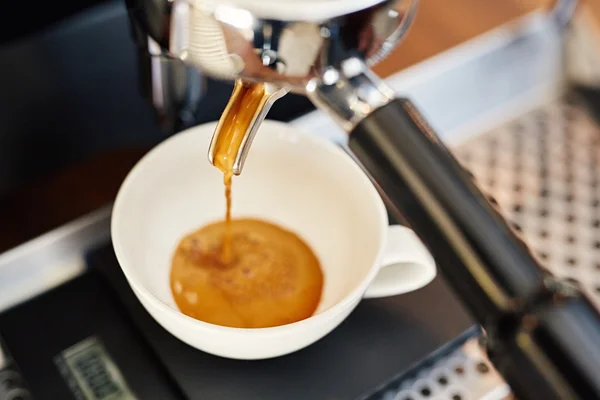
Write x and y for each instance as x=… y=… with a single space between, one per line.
x=245 y=101
x=244 y=273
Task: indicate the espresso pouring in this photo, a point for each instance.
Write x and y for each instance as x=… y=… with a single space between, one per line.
x=244 y=273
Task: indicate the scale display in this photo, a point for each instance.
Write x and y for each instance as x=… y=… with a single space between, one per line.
x=91 y=374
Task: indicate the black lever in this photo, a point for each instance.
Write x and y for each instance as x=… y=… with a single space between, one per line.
x=544 y=337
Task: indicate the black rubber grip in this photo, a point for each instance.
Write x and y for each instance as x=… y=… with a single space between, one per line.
x=477 y=251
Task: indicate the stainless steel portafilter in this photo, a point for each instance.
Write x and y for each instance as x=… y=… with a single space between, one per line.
x=321 y=48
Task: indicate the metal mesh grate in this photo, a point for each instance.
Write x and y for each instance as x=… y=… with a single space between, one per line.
x=543 y=169
x=464 y=374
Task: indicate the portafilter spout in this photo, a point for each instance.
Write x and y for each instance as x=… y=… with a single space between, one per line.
x=321 y=48
x=248 y=106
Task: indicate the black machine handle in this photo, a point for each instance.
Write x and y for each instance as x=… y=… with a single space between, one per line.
x=543 y=335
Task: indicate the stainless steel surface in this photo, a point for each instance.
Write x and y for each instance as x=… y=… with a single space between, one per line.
x=173 y=88
x=464 y=374
x=51 y=259
x=479 y=85
x=326 y=58
x=230 y=42
x=272 y=94
x=349 y=94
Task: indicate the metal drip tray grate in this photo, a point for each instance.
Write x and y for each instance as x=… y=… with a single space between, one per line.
x=543 y=169
x=460 y=371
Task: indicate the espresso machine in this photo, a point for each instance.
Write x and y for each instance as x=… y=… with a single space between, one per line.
x=324 y=50
x=70 y=326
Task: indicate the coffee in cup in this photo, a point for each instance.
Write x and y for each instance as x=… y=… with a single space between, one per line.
x=271 y=278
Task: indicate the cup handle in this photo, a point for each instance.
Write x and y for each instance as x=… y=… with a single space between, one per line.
x=406 y=265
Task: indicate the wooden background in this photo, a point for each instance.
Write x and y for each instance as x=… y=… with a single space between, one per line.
x=41 y=206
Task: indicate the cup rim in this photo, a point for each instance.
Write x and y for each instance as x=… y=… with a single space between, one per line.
x=327 y=314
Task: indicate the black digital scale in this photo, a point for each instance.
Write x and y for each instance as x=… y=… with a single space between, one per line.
x=91 y=339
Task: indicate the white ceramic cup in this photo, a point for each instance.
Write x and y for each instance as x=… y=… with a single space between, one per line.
x=296 y=180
